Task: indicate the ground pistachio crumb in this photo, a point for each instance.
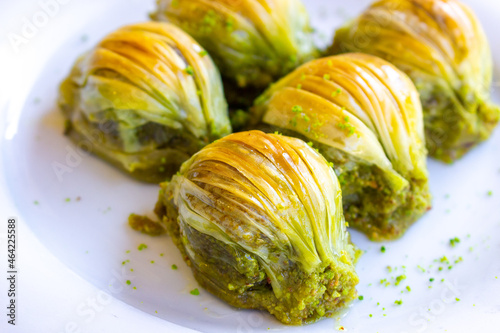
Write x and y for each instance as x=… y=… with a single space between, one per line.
x=195 y=292
x=399 y=279
x=346 y=126
x=145 y=225
x=398 y=302
x=174 y=267
x=142 y=247
x=297 y=109
x=382 y=249
x=336 y=92
x=454 y=241
x=360 y=297
x=128 y=282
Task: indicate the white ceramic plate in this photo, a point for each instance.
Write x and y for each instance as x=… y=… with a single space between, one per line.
x=81 y=215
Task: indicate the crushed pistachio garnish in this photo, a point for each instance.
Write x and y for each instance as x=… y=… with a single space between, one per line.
x=399 y=279
x=346 y=126
x=454 y=241
x=336 y=92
